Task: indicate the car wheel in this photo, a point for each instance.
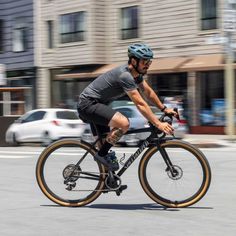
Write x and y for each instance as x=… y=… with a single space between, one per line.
x=46 y=140
x=14 y=140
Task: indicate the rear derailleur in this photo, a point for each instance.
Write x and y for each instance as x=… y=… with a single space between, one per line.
x=71 y=174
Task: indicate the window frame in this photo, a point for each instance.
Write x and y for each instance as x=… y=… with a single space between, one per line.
x=76 y=27
x=50 y=34
x=207 y=17
x=132 y=28
x=1 y=35
x=21 y=27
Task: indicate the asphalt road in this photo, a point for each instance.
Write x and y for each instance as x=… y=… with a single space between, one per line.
x=26 y=211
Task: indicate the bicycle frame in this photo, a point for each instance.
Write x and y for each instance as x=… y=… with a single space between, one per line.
x=152 y=139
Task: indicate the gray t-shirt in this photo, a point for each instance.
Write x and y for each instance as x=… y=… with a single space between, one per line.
x=111 y=85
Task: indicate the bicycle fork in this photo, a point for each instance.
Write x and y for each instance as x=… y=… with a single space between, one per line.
x=170 y=167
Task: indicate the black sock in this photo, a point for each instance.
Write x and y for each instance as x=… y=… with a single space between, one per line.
x=104 y=149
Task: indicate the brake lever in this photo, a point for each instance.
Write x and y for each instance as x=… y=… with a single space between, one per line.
x=176 y=110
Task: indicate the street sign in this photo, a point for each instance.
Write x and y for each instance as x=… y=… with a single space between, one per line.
x=229 y=21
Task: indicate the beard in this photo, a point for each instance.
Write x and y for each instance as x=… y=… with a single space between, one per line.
x=144 y=71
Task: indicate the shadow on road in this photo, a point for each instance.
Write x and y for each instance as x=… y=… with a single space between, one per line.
x=130 y=207
x=150 y=206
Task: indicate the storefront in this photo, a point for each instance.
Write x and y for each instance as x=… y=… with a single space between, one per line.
x=206 y=94
x=68 y=83
x=197 y=82
x=15 y=101
x=18 y=94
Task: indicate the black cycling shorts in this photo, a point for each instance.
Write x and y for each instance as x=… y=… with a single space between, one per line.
x=93 y=112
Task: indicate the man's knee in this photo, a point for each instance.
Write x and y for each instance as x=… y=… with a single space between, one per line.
x=114 y=136
x=125 y=125
x=120 y=121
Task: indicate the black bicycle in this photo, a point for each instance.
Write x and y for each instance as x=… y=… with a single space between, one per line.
x=172 y=172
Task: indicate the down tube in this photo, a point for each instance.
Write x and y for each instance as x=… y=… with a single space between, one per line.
x=133 y=157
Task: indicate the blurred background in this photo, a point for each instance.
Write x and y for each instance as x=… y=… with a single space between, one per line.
x=50 y=50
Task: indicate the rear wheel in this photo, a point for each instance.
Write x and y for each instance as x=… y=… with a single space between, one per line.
x=68 y=175
x=185 y=185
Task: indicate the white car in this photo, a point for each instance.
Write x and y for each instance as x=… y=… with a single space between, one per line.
x=137 y=121
x=45 y=126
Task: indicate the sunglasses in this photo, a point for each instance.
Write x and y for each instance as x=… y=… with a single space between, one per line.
x=146 y=62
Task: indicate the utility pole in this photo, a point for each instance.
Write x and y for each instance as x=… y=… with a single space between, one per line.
x=229 y=29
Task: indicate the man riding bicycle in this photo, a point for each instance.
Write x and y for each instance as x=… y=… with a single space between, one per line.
x=123 y=80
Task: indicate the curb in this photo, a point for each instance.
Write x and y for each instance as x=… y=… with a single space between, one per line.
x=205 y=144
x=208 y=145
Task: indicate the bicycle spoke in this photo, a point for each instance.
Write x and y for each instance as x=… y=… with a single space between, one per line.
x=67 y=179
x=179 y=184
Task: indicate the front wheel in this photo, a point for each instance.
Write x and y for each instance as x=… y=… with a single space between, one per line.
x=68 y=175
x=185 y=184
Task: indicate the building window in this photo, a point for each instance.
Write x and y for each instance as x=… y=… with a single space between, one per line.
x=1 y=35
x=212 y=98
x=20 y=35
x=50 y=34
x=73 y=27
x=208 y=14
x=129 y=22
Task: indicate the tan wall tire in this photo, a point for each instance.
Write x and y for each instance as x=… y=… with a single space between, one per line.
x=42 y=181
x=196 y=154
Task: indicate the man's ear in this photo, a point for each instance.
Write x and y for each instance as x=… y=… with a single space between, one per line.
x=133 y=62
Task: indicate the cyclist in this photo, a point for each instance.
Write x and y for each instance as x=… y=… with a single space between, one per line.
x=126 y=79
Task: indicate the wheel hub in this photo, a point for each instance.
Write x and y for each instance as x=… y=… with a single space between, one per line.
x=176 y=172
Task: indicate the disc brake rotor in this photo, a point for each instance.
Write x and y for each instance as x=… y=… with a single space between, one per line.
x=177 y=173
x=71 y=171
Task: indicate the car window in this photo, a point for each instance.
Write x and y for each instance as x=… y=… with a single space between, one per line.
x=155 y=110
x=68 y=115
x=38 y=115
x=129 y=113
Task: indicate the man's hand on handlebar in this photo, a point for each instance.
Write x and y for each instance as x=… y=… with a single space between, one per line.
x=170 y=111
x=166 y=128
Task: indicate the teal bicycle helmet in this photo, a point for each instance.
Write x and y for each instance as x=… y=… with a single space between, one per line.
x=140 y=51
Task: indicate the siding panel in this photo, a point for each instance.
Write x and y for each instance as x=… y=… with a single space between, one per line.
x=10 y=11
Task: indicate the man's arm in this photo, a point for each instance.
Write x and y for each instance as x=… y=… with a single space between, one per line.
x=151 y=95
x=153 y=98
x=146 y=111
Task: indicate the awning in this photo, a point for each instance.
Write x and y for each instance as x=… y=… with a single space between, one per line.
x=83 y=75
x=73 y=76
x=104 y=69
x=165 y=65
x=204 y=63
x=161 y=65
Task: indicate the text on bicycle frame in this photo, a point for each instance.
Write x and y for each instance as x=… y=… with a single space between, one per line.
x=136 y=154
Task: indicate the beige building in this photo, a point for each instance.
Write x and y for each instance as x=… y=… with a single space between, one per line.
x=80 y=39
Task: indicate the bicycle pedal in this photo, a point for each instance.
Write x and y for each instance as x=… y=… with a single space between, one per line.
x=121 y=189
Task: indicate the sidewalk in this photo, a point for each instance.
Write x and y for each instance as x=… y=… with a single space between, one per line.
x=209 y=141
